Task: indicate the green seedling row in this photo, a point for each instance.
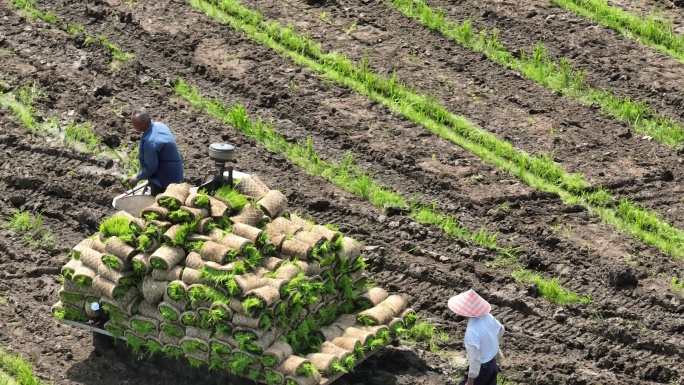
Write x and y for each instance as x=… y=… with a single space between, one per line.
x=540 y=172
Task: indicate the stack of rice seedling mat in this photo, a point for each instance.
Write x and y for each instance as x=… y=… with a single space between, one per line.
x=232 y=281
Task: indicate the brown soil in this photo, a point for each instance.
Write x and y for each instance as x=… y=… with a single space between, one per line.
x=631 y=333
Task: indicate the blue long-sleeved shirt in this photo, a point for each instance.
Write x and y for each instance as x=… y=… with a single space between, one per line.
x=159 y=157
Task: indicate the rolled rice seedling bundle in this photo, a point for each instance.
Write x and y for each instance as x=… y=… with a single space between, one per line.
x=351 y=345
x=220 y=312
x=149 y=310
x=193 y=277
x=193 y=197
x=286 y=271
x=218 y=253
x=155 y=212
x=70 y=298
x=235 y=242
x=271 y=263
x=78 y=249
x=277 y=241
x=123 y=278
x=396 y=324
x=304 y=380
x=350 y=248
x=115 y=262
x=274 y=377
x=171 y=233
x=240 y=361
x=70 y=267
x=204 y=225
x=273 y=203
x=264 y=342
x=299 y=221
x=215 y=234
x=189 y=318
x=258 y=299
x=73 y=287
x=310 y=268
x=170 y=334
x=195 y=213
x=141 y=263
x=198 y=333
x=194 y=261
x=198 y=296
x=300 y=370
x=373 y=297
x=312 y=239
x=227 y=338
x=244 y=321
x=276 y=354
x=396 y=303
x=377 y=315
x=326 y=363
x=218 y=209
x=113 y=329
x=330 y=332
x=62 y=311
x=247 y=282
x=252 y=187
x=169 y=312
x=282 y=225
x=249 y=215
x=97 y=244
x=160 y=228
x=174 y=196
x=166 y=257
x=345 y=357
x=119 y=248
x=248 y=232
x=127 y=306
x=144 y=326
x=147 y=244
x=172 y=274
x=274 y=283
x=220 y=348
x=409 y=316
x=84 y=276
x=182 y=305
x=138 y=225
x=297 y=249
x=91 y=259
x=191 y=345
x=357 y=276
x=153 y=345
x=153 y=291
x=133 y=340
x=176 y=290
x=330 y=235
x=364 y=336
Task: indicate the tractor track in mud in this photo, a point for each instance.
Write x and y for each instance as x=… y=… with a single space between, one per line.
x=532 y=334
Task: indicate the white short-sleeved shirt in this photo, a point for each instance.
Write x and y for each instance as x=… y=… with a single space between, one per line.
x=482 y=341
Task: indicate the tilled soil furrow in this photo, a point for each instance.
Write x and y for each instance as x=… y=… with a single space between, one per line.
x=526 y=114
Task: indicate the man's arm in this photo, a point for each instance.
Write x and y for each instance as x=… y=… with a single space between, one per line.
x=151 y=161
x=475 y=362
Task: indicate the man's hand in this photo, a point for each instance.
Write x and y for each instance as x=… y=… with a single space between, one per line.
x=133 y=181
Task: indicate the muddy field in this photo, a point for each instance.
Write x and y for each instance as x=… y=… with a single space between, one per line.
x=631 y=333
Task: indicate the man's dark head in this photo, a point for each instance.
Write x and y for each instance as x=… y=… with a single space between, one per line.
x=141 y=119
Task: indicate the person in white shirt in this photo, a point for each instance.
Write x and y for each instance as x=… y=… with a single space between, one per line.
x=481 y=338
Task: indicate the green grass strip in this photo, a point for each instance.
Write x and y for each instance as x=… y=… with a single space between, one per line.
x=557 y=76
x=550 y=290
x=22 y=371
x=345 y=175
x=540 y=172
x=30 y=7
x=648 y=30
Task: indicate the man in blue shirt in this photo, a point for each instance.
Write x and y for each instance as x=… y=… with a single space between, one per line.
x=160 y=161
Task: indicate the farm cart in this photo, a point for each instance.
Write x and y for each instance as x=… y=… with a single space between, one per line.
x=225 y=276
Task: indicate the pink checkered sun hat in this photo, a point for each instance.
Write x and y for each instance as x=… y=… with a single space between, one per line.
x=469 y=304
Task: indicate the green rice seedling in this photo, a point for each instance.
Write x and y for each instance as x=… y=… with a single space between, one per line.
x=253 y=257
x=194 y=362
x=168 y=313
x=265 y=322
x=222 y=327
x=169 y=203
x=262 y=239
x=188 y=320
x=253 y=374
x=224 y=224
x=77 y=133
x=117 y=53
x=349 y=363
x=70 y=297
x=384 y=335
x=115 y=227
x=238 y=363
x=410 y=319
x=138 y=268
x=83 y=282
x=216 y=364
x=175 y=291
x=203 y=202
x=67 y=274
x=172 y=351
x=153 y=347
x=205 y=320
x=144 y=243
x=307 y=369
x=111 y=261
x=172 y=331
x=376 y=343
x=198 y=294
x=194 y=246
x=15 y=366
x=142 y=327
x=218 y=314
x=134 y=342
x=70 y=313
x=114 y=331
x=244 y=339
x=219 y=349
x=677 y=285
x=268 y=361
x=338 y=367
x=271 y=378
x=239 y=268
x=365 y=320
x=120 y=292
x=149 y=217
x=129 y=281
x=551 y=290
x=180 y=216
x=113 y=312
x=235 y=200
x=157 y=263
